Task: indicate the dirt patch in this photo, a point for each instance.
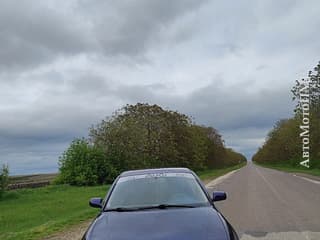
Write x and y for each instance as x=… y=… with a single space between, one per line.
x=74 y=233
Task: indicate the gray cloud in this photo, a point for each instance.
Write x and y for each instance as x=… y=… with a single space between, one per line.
x=233 y=107
x=35 y=33
x=65 y=67
x=130 y=27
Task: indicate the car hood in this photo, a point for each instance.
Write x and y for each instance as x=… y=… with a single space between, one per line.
x=200 y=223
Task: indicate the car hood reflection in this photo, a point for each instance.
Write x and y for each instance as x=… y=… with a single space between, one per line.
x=201 y=223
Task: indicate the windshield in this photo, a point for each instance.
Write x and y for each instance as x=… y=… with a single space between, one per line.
x=155 y=189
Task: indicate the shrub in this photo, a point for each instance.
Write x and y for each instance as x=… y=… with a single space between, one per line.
x=4 y=179
x=83 y=164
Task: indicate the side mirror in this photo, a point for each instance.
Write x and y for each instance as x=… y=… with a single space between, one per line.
x=219 y=196
x=95 y=202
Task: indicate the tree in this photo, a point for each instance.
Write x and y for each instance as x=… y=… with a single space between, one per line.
x=84 y=164
x=234 y=157
x=314 y=90
x=142 y=136
x=148 y=136
x=4 y=179
x=284 y=144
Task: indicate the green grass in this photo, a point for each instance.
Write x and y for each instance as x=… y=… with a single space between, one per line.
x=35 y=213
x=214 y=173
x=289 y=168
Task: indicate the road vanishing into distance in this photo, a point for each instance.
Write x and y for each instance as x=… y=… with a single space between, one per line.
x=268 y=204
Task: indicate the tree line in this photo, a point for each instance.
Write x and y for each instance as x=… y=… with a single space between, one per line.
x=284 y=142
x=143 y=136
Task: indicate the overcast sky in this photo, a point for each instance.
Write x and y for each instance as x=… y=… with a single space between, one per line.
x=65 y=65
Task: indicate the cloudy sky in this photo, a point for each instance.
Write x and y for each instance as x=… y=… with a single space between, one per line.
x=66 y=65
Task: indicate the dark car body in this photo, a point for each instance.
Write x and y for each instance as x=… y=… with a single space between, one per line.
x=200 y=223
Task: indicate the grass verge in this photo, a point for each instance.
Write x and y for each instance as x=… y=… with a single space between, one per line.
x=36 y=213
x=289 y=168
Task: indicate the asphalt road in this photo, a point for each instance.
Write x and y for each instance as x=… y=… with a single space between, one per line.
x=269 y=204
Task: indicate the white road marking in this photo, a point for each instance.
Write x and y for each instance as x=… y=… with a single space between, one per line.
x=283 y=236
x=220 y=179
x=307 y=179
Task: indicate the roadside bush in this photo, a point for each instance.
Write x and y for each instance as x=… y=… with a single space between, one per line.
x=4 y=179
x=84 y=164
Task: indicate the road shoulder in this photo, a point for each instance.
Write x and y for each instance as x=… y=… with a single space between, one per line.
x=291 y=171
x=73 y=233
x=309 y=178
x=218 y=180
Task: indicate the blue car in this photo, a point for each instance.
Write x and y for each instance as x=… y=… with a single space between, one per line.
x=159 y=204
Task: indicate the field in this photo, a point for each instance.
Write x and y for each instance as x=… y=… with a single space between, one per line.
x=32 y=178
x=37 y=213
x=31 y=181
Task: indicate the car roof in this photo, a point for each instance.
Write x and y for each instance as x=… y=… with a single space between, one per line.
x=155 y=170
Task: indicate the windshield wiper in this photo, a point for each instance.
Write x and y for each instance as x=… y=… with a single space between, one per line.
x=159 y=206
x=121 y=209
x=163 y=206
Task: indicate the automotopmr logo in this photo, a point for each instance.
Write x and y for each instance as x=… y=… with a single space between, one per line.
x=304 y=102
